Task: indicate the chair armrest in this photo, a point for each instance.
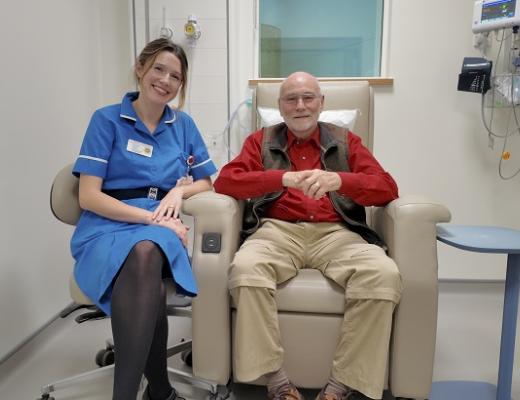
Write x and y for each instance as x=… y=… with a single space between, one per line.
x=408 y=226
x=213 y=213
x=409 y=219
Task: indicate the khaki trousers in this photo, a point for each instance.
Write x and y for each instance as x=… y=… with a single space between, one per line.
x=274 y=254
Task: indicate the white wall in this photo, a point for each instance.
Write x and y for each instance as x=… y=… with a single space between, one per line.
x=60 y=60
x=207 y=100
x=468 y=334
x=430 y=136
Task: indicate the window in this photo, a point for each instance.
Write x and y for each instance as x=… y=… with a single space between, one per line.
x=329 y=38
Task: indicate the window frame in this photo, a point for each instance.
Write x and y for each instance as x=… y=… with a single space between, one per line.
x=381 y=80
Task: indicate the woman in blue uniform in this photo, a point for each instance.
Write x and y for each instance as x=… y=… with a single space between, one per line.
x=138 y=161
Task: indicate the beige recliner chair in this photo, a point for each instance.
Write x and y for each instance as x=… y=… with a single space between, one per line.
x=310 y=306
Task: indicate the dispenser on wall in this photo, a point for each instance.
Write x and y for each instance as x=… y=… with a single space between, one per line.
x=192 y=29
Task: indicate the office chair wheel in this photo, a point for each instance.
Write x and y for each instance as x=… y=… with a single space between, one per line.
x=46 y=396
x=187 y=358
x=223 y=393
x=218 y=396
x=105 y=357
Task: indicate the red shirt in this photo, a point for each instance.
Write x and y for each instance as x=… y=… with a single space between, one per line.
x=244 y=177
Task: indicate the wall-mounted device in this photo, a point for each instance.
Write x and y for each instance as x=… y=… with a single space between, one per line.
x=475 y=75
x=191 y=28
x=165 y=32
x=489 y=15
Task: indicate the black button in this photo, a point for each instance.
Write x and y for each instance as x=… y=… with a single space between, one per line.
x=211 y=242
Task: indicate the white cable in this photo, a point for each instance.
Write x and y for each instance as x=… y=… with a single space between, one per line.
x=512 y=109
x=222 y=134
x=190 y=83
x=517 y=130
x=500 y=164
x=228 y=126
x=513 y=106
x=489 y=127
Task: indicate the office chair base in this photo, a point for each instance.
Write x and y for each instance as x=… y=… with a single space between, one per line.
x=71 y=381
x=105 y=357
x=74 y=307
x=216 y=391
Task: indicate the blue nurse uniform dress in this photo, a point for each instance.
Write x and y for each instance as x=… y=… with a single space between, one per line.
x=100 y=245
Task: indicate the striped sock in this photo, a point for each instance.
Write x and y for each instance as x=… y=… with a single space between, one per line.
x=336 y=387
x=275 y=380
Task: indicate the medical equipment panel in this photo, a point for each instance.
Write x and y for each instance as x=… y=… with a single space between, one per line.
x=489 y=15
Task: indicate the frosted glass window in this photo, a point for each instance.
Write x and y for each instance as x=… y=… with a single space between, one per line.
x=328 y=38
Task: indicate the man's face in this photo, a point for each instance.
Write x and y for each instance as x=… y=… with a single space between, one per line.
x=300 y=104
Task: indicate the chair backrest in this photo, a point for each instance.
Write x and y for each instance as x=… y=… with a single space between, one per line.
x=65 y=207
x=64 y=196
x=339 y=95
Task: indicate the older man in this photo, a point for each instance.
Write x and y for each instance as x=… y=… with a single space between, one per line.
x=307 y=183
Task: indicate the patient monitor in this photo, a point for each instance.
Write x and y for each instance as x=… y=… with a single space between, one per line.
x=489 y=15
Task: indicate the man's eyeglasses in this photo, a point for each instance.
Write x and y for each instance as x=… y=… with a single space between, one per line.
x=292 y=100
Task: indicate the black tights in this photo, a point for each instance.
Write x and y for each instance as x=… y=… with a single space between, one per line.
x=140 y=324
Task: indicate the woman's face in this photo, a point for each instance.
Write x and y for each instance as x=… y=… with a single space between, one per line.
x=161 y=82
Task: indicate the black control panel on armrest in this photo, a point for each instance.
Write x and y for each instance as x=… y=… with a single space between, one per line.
x=211 y=242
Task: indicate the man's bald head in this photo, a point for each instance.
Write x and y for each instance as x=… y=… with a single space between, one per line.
x=298 y=79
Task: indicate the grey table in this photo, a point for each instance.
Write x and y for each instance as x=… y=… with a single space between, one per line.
x=487 y=239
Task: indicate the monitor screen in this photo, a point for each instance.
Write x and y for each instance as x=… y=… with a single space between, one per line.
x=497 y=10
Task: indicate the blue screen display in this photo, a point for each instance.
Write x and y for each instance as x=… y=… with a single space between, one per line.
x=499 y=9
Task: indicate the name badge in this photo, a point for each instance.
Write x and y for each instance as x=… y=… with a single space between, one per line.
x=142 y=149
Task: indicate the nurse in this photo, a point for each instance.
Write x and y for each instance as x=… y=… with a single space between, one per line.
x=138 y=161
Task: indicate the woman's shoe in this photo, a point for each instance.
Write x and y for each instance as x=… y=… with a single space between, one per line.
x=173 y=395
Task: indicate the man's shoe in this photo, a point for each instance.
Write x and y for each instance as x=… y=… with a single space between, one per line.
x=286 y=392
x=172 y=396
x=350 y=395
x=328 y=396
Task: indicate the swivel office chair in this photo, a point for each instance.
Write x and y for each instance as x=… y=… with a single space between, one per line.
x=211 y=215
